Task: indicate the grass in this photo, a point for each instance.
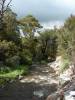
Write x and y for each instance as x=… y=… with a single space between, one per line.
x=7 y=73
x=65 y=65
x=13 y=73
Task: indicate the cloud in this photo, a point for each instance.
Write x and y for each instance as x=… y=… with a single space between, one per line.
x=44 y=10
x=52 y=24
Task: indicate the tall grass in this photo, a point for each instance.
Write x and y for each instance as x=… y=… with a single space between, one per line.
x=65 y=65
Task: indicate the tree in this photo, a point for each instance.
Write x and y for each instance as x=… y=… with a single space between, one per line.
x=3 y=9
x=47 y=45
x=10 y=21
x=11 y=33
x=30 y=24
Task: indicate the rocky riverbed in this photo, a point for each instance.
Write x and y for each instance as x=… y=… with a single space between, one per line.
x=42 y=81
x=36 y=86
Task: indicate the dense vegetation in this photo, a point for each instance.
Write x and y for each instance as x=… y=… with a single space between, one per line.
x=66 y=40
x=17 y=53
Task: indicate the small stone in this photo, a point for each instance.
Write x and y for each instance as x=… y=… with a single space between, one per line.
x=38 y=93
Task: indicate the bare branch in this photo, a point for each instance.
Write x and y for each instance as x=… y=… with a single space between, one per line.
x=8 y=4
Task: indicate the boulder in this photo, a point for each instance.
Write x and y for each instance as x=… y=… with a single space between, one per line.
x=56 y=96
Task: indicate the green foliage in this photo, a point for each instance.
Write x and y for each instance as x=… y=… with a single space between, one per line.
x=47 y=45
x=66 y=39
x=64 y=42
x=65 y=65
x=8 y=53
x=30 y=24
x=30 y=45
x=10 y=21
x=70 y=23
x=42 y=47
x=7 y=72
x=16 y=50
x=10 y=32
x=25 y=57
x=13 y=61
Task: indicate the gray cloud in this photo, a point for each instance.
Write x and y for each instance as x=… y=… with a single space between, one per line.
x=44 y=10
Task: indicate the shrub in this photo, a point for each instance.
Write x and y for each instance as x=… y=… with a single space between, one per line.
x=13 y=61
x=47 y=45
x=65 y=65
x=9 y=53
x=26 y=57
x=10 y=73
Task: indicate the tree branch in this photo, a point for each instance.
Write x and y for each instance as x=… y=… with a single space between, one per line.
x=7 y=5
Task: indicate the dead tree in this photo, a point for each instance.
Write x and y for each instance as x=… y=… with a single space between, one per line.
x=3 y=8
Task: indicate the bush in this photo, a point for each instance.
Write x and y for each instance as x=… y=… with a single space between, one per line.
x=13 y=61
x=26 y=57
x=4 y=69
x=65 y=65
x=10 y=73
x=47 y=45
x=9 y=53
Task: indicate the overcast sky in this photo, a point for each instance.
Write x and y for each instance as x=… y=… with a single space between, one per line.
x=45 y=10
